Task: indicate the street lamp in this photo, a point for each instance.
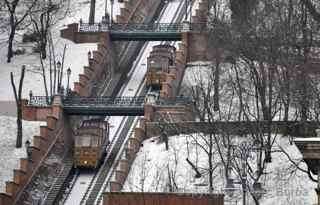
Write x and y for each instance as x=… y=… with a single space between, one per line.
x=111 y=18
x=186 y=10
x=190 y=11
x=68 y=74
x=28 y=149
x=106 y=9
x=30 y=96
x=58 y=66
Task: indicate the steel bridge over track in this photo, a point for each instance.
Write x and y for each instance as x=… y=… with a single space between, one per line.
x=109 y=106
x=119 y=106
x=143 y=31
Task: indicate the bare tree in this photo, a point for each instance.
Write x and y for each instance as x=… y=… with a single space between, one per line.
x=47 y=13
x=274 y=47
x=92 y=11
x=17 y=95
x=55 y=68
x=312 y=9
x=214 y=143
x=16 y=19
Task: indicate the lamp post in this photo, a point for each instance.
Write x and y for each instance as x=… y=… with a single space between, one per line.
x=68 y=74
x=244 y=182
x=186 y=10
x=106 y=9
x=28 y=149
x=30 y=96
x=190 y=10
x=111 y=15
x=58 y=66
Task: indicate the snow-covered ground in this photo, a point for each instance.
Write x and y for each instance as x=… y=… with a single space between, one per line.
x=76 y=54
x=132 y=88
x=9 y=155
x=284 y=184
x=76 y=58
x=149 y=172
x=79 y=188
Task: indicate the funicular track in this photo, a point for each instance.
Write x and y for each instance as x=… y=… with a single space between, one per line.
x=99 y=179
x=95 y=196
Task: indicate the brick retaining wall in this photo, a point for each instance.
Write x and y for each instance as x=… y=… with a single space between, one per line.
x=131 y=150
x=127 y=198
x=41 y=146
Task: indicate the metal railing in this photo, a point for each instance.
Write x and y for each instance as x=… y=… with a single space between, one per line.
x=104 y=101
x=142 y=27
x=40 y=101
x=154 y=27
x=43 y=101
x=97 y=27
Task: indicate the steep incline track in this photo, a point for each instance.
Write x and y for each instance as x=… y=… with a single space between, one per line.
x=88 y=189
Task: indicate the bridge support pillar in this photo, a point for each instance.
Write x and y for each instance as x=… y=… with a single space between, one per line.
x=115 y=186
x=57 y=106
x=148 y=112
x=186 y=26
x=198 y=45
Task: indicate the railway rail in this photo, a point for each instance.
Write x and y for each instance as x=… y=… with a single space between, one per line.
x=97 y=182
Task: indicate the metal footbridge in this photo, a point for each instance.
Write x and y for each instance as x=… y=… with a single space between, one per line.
x=110 y=106
x=143 y=31
x=119 y=106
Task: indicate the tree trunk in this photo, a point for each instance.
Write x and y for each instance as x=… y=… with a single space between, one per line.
x=287 y=96
x=210 y=173
x=216 y=106
x=166 y=141
x=17 y=96
x=312 y=9
x=10 y=44
x=44 y=80
x=268 y=153
x=92 y=11
x=210 y=156
x=19 y=126
x=43 y=46
x=194 y=167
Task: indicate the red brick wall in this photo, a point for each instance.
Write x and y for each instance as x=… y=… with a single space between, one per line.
x=198 y=41
x=135 y=11
x=70 y=31
x=198 y=46
x=41 y=146
x=32 y=113
x=125 y=198
x=124 y=165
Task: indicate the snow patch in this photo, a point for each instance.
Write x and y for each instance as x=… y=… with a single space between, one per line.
x=8 y=153
x=149 y=172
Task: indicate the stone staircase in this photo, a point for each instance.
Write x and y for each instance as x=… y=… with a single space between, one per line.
x=58 y=184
